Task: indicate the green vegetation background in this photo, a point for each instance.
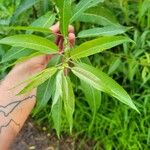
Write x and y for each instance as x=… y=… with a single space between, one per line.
x=114 y=126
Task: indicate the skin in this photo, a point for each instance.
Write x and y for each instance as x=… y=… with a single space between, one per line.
x=14 y=110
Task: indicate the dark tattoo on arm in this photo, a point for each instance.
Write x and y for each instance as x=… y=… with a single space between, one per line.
x=6 y=110
x=7 y=124
x=9 y=108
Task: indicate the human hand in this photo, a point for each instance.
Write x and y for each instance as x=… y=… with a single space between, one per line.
x=15 y=109
x=59 y=38
x=34 y=65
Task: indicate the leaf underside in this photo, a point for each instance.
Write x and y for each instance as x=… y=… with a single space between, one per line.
x=102 y=82
x=97 y=45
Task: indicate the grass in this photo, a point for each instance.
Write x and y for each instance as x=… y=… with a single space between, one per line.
x=115 y=126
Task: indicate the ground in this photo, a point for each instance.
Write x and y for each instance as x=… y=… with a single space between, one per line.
x=32 y=138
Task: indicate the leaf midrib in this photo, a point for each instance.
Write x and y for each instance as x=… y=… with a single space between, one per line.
x=96 y=47
x=47 y=21
x=99 y=16
x=45 y=47
x=10 y=56
x=44 y=95
x=77 y=12
x=92 y=34
x=95 y=80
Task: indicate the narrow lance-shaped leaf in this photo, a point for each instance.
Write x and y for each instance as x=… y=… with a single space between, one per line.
x=68 y=99
x=30 y=28
x=45 y=5
x=82 y=6
x=103 y=31
x=58 y=88
x=38 y=79
x=98 y=15
x=46 y=90
x=56 y=59
x=145 y=6
x=2 y=51
x=92 y=95
x=93 y=98
x=57 y=103
x=97 y=45
x=115 y=63
x=41 y=24
x=31 y=41
x=44 y=21
x=22 y=59
x=24 y=5
x=56 y=115
x=102 y=82
x=65 y=14
x=15 y=53
x=44 y=93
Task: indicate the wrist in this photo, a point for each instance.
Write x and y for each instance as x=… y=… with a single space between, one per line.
x=10 y=88
x=11 y=84
x=5 y=88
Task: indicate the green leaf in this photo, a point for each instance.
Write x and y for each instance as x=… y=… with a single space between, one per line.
x=44 y=93
x=58 y=88
x=55 y=60
x=98 y=15
x=2 y=51
x=56 y=108
x=145 y=6
x=30 y=28
x=4 y=67
x=41 y=24
x=45 y=5
x=132 y=68
x=92 y=95
x=103 y=31
x=69 y=99
x=97 y=45
x=4 y=22
x=15 y=53
x=65 y=14
x=38 y=79
x=115 y=63
x=102 y=82
x=24 y=5
x=24 y=58
x=93 y=98
x=44 y=21
x=31 y=41
x=82 y=6
x=56 y=115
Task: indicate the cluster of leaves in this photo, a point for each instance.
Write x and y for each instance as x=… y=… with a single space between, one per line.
x=93 y=80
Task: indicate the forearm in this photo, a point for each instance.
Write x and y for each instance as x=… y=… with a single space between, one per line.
x=14 y=110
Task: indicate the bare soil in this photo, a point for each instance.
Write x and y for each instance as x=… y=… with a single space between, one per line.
x=31 y=138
